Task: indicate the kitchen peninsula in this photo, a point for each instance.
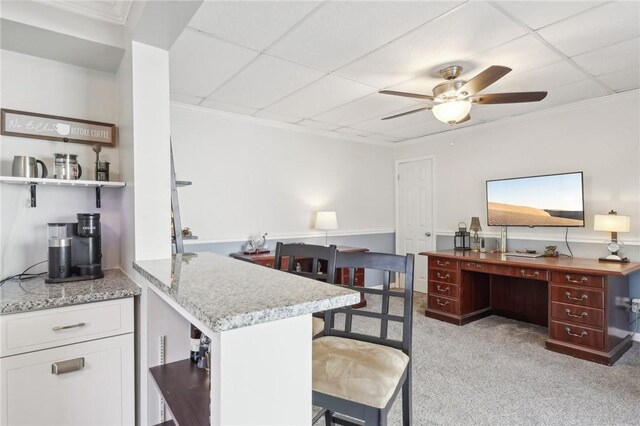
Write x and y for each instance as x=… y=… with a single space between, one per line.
x=259 y=321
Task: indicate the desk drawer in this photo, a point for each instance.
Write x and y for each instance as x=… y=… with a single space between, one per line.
x=443 y=276
x=577 y=334
x=474 y=266
x=443 y=263
x=443 y=304
x=577 y=279
x=31 y=331
x=440 y=289
x=577 y=296
x=577 y=314
x=532 y=273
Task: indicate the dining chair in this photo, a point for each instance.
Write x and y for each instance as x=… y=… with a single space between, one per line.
x=356 y=374
x=309 y=260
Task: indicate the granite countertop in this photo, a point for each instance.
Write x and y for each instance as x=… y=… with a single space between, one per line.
x=226 y=293
x=36 y=294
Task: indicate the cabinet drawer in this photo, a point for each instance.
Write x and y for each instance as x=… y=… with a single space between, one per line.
x=441 y=289
x=443 y=304
x=443 y=263
x=577 y=314
x=577 y=279
x=577 y=296
x=443 y=276
x=97 y=388
x=532 y=273
x=577 y=334
x=30 y=331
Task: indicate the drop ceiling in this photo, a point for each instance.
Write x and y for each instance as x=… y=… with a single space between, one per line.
x=321 y=64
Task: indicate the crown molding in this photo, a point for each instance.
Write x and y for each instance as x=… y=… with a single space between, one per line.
x=112 y=12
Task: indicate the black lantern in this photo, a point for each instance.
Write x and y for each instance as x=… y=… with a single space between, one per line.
x=462 y=238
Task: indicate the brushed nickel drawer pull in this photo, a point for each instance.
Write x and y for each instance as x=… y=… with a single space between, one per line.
x=441 y=263
x=65 y=327
x=442 y=304
x=581 y=335
x=444 y=290
x=579 y=299
x=524 y=274
x=580 y=281
x=67 y=366
x=446 y=277
x=569 y=314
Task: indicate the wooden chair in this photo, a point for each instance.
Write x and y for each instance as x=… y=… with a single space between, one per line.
x=360 y=375
x=312 y=256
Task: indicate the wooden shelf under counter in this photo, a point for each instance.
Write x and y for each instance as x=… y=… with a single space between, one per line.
x=185 y=389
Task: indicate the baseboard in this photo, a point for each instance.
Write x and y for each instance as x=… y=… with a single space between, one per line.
x=636 y=337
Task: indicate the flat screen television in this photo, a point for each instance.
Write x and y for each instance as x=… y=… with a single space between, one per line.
x=548 y=200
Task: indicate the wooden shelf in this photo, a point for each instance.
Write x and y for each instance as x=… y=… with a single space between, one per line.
x=186 y=391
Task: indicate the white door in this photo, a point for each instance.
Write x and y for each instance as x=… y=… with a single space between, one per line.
x=415 y=215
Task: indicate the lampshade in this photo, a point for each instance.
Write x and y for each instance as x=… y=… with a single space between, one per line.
x=475 y=224
x=452 y=111
x=612 y=223
x=326 y=220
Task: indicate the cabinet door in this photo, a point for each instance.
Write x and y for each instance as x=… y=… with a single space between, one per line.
x=101 y=392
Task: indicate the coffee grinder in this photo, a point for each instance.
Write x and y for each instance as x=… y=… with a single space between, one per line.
x=75 y=250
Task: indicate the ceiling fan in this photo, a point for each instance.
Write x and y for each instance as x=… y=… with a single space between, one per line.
x=452 y=99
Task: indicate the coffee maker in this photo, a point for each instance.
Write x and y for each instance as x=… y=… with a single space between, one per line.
x=75 y=250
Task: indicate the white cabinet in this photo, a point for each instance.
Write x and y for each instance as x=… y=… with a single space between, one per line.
x=86 y=383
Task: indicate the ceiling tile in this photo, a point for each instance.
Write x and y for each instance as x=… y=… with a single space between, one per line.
x=377 y=125
x=254 y=24
x=277 y=117
x=374 y=105
x=520 y=55
x=191 y=100
x=385 y=138
x=318 y=125
x=428 y=128
x=322 y=95
x=617 y=57
x=596 y=28
x=443 y=41
x=195 y=65
x=264 y=81
x=537 y=14
x=622 y=80
x=354 y=132
x=333 y=36
x=208 y=103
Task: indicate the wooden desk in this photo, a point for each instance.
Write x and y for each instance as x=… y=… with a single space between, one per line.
x=584 y=302
x=342 y=274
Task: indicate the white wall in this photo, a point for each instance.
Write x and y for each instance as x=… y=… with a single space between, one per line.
x=251 y=177
x=599 y=137
x=43 y=86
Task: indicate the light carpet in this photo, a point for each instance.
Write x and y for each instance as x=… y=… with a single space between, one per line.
x=496 y=371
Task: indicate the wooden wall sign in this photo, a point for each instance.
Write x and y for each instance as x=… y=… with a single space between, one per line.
x=54 y=128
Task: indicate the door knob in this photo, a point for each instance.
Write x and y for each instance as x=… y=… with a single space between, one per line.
x=428 y=234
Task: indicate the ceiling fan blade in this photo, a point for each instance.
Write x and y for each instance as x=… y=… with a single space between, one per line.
x=485 y=79
x=508 y=98
x=406 y=95
x=465 y=118
x=406 y=113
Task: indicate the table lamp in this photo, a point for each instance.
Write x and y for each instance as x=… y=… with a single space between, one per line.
x=475 y=227
x=326 y=221
x=612 y=223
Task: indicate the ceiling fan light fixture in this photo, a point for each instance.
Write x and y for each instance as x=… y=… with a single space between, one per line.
x=452 y=111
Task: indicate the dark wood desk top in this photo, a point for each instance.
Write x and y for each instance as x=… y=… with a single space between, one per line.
x=272 y=253
x=575 y=265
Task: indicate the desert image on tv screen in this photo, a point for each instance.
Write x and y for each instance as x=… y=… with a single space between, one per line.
x=536 y=201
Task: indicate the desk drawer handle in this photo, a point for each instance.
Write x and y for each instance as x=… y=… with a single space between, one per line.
x=442 y=263
x=67 y=366
x=65 y=327
x=579 y=299
x=446 y=277
x=442 y=304
x=580 y=281
x=444 y=290
x=569 y=314
x=581 y=335
x=524 y=274
x=477 y=265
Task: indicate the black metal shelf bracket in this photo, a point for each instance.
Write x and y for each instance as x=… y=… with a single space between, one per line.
x=32 y=190
x=98 y=200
